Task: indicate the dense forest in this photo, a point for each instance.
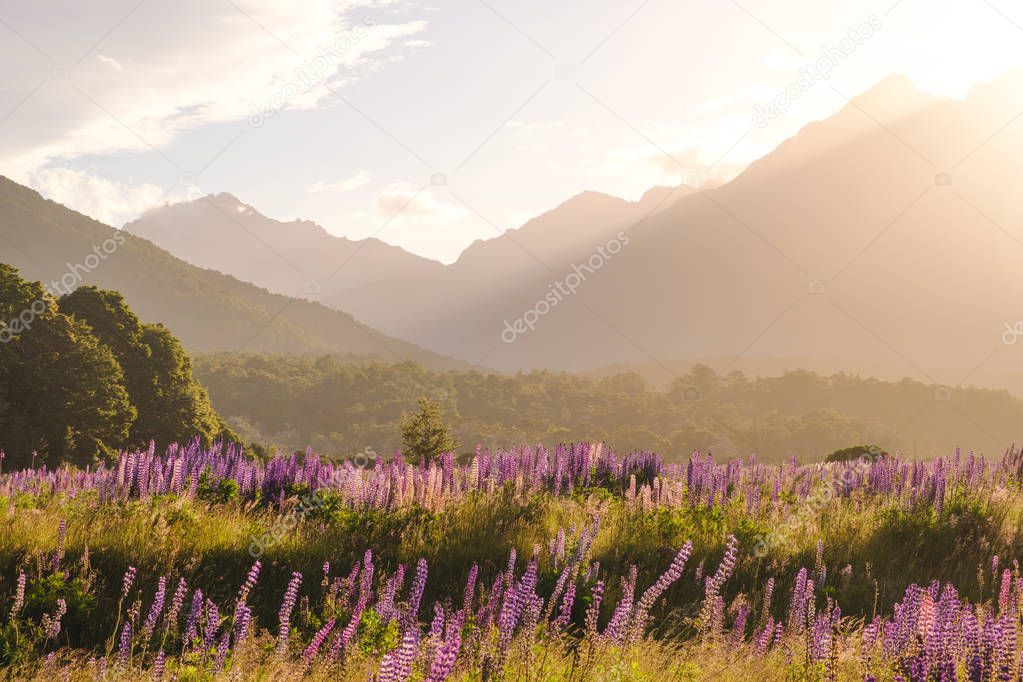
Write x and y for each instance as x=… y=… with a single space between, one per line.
x=341 y=407
x=81 y=377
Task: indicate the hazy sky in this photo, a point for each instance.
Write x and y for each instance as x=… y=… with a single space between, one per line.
x=434 y=124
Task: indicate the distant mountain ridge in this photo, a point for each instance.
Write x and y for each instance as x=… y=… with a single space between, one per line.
x=391 y=289
x=887 y=234
x=207 y=310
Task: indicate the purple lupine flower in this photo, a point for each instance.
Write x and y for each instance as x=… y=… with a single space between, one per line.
x=565 y=612
x=128 y=582
x=222 y=649
x=444 y=663
x=470 y=587
x=211 y=625
x=177 y=601
x=387 y=665
x=124 y=650
x=764 y=638
x=507 y=618
x=154 y=611
x=486 y=612
x=593 y=612
x=290 y=596
x=519 y=597
x=437 y=625
x=712 y=586
x=58 y=554
x=250 y=582
x=768 y=594
x=1007 y=652
x=416 y=595
x=385 y=607
x=51 y=624
x=797 y=604
x=509 y=575
x=1005 y=592
x=654 y=592
x=973 y=647
x=19 y=596
x=192 y=624
x=243 y=619
x=739 y=624
x=367 y=577
x=317 y=642
x=406 y=654
x=158 y=666
x=340 y=641
x=727 y=564
x=616 y=629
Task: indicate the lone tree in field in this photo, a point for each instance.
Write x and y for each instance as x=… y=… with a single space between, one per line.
x=424 y=434
x=871 y=453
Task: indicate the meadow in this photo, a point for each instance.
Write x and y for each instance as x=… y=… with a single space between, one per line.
x=570 y=563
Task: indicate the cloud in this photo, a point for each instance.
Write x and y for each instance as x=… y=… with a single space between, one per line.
x=360 y=179
x=110 y=202
x=404 y=202
x=629 y=171
x=111 y=62
x=191 y=65
x=524 y=128
x=520 y=218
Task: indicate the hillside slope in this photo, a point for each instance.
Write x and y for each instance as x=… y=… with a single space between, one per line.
x=207 y=310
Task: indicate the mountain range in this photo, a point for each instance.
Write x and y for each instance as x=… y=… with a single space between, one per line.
x=207 y=310
x=884 y=239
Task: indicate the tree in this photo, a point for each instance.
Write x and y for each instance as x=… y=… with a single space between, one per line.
x=871 y=453
x=184 y=406
x=62 y=390
x=172 y=406
x=424 y=434
x=117 y=327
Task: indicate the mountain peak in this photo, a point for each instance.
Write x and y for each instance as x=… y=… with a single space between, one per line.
x=895 y=93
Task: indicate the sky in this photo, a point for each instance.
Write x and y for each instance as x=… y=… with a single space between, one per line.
x=432 y=125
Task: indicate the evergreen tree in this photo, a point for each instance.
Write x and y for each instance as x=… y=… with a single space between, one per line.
x=61 y=390
x=424 y=434
x=116 y=326
x=172 y=406
x=184 y=409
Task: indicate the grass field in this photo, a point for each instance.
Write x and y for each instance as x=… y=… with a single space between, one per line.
x=793 y=572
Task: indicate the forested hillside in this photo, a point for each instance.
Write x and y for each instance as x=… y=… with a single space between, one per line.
x=339 y=407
